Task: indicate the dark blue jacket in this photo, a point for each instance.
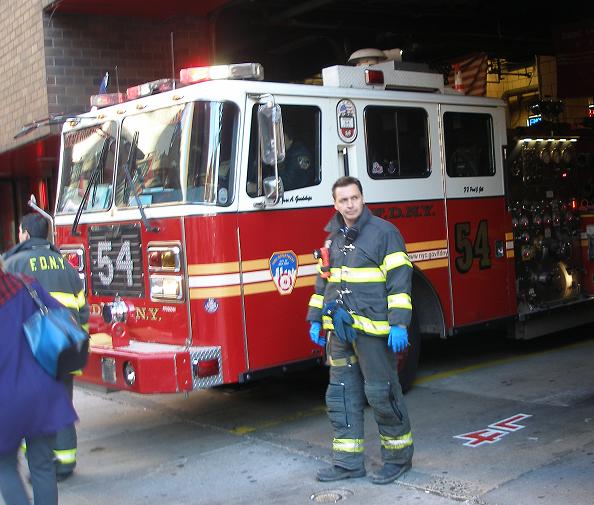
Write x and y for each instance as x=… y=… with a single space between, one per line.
x=31 y=402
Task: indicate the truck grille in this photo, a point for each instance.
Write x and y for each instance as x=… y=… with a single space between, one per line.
x=116 y=260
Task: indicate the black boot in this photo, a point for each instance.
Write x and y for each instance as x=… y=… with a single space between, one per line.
x=332 y=473
x=389 y=473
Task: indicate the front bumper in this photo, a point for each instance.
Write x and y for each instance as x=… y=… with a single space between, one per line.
x=147 y=368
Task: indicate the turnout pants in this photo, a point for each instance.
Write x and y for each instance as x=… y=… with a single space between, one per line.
x=65 y=446
x=366 y=369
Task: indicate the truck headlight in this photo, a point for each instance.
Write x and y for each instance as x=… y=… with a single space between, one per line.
x=166 y=287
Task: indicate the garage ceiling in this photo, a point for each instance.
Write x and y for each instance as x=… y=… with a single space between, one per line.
x=295 y=39
x=299 y=38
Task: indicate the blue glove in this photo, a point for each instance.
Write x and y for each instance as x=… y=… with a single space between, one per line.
x=342 y=321
x=329 y=309
x=314 y=334
x=398 y=338
x=343 y=325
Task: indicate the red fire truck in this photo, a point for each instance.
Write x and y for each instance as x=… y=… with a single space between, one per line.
x=191 y=210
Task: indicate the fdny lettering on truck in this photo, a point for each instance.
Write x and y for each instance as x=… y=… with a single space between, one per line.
x=408 y=211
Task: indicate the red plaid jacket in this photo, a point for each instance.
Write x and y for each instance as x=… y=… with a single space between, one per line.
x=9 y=286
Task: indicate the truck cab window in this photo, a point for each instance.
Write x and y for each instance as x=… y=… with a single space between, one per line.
x=301 y=166
x=468 y=144
x=87 y=150
x=397 y=142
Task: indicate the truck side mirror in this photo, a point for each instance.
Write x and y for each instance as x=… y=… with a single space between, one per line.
x=272 y=140
x=272 y=149
x=273 y=192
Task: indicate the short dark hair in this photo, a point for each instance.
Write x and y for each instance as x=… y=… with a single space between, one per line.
x=35 y=224
x=346 y=180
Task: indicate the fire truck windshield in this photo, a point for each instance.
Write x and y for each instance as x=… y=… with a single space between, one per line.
x=185 y=154
x=168 y=170
x=81 y=158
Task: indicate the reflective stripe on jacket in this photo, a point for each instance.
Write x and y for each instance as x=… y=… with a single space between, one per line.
x=374 y=275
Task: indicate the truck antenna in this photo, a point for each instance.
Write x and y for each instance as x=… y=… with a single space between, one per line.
x=172 y=60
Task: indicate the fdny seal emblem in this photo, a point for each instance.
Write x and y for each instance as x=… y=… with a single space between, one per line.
x=283 y=267
x=211 y=305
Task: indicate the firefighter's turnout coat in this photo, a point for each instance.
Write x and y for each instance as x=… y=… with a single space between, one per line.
x=371 y=272
x=372 y=275
x=38 y=258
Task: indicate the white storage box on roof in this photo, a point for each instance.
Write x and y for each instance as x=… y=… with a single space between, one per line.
x=394 y=78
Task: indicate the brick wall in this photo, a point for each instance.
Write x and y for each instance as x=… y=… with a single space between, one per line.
x=23 y=91
x=80 y=49
x=52 y=62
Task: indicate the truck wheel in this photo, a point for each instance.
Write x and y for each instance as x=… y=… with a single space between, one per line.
x=408 y=360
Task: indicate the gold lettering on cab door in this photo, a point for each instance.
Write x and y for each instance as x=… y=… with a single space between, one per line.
x=148 y=314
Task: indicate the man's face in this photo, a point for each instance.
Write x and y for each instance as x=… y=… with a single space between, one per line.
x=348 y=201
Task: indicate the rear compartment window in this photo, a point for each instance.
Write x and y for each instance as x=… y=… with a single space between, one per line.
x=468 y=144
x=397 y=142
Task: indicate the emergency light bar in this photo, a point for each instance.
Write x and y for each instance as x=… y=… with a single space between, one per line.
x=253 y=71
x=150 y=88
x=191 y=75
x=107 y=99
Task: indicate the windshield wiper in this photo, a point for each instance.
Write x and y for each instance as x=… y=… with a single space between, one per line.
x=92 y=181
x=127 y=167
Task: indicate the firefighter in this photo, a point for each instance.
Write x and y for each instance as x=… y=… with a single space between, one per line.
x=296 y=170
x=35 y=256
x=365 y=304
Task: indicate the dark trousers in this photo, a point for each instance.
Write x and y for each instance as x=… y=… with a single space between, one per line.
x=40 y=458
x=366 y=370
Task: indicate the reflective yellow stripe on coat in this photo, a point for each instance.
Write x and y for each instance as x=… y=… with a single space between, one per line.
x=399 y=301
x=363 y=324
x=70 y=300
x=350 y=274
x=395 y=260
x=316 y=301
x=370 y=326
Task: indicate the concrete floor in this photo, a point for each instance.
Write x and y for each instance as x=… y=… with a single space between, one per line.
x=262 y=444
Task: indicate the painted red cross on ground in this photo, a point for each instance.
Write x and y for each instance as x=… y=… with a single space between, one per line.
x=494 y=432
